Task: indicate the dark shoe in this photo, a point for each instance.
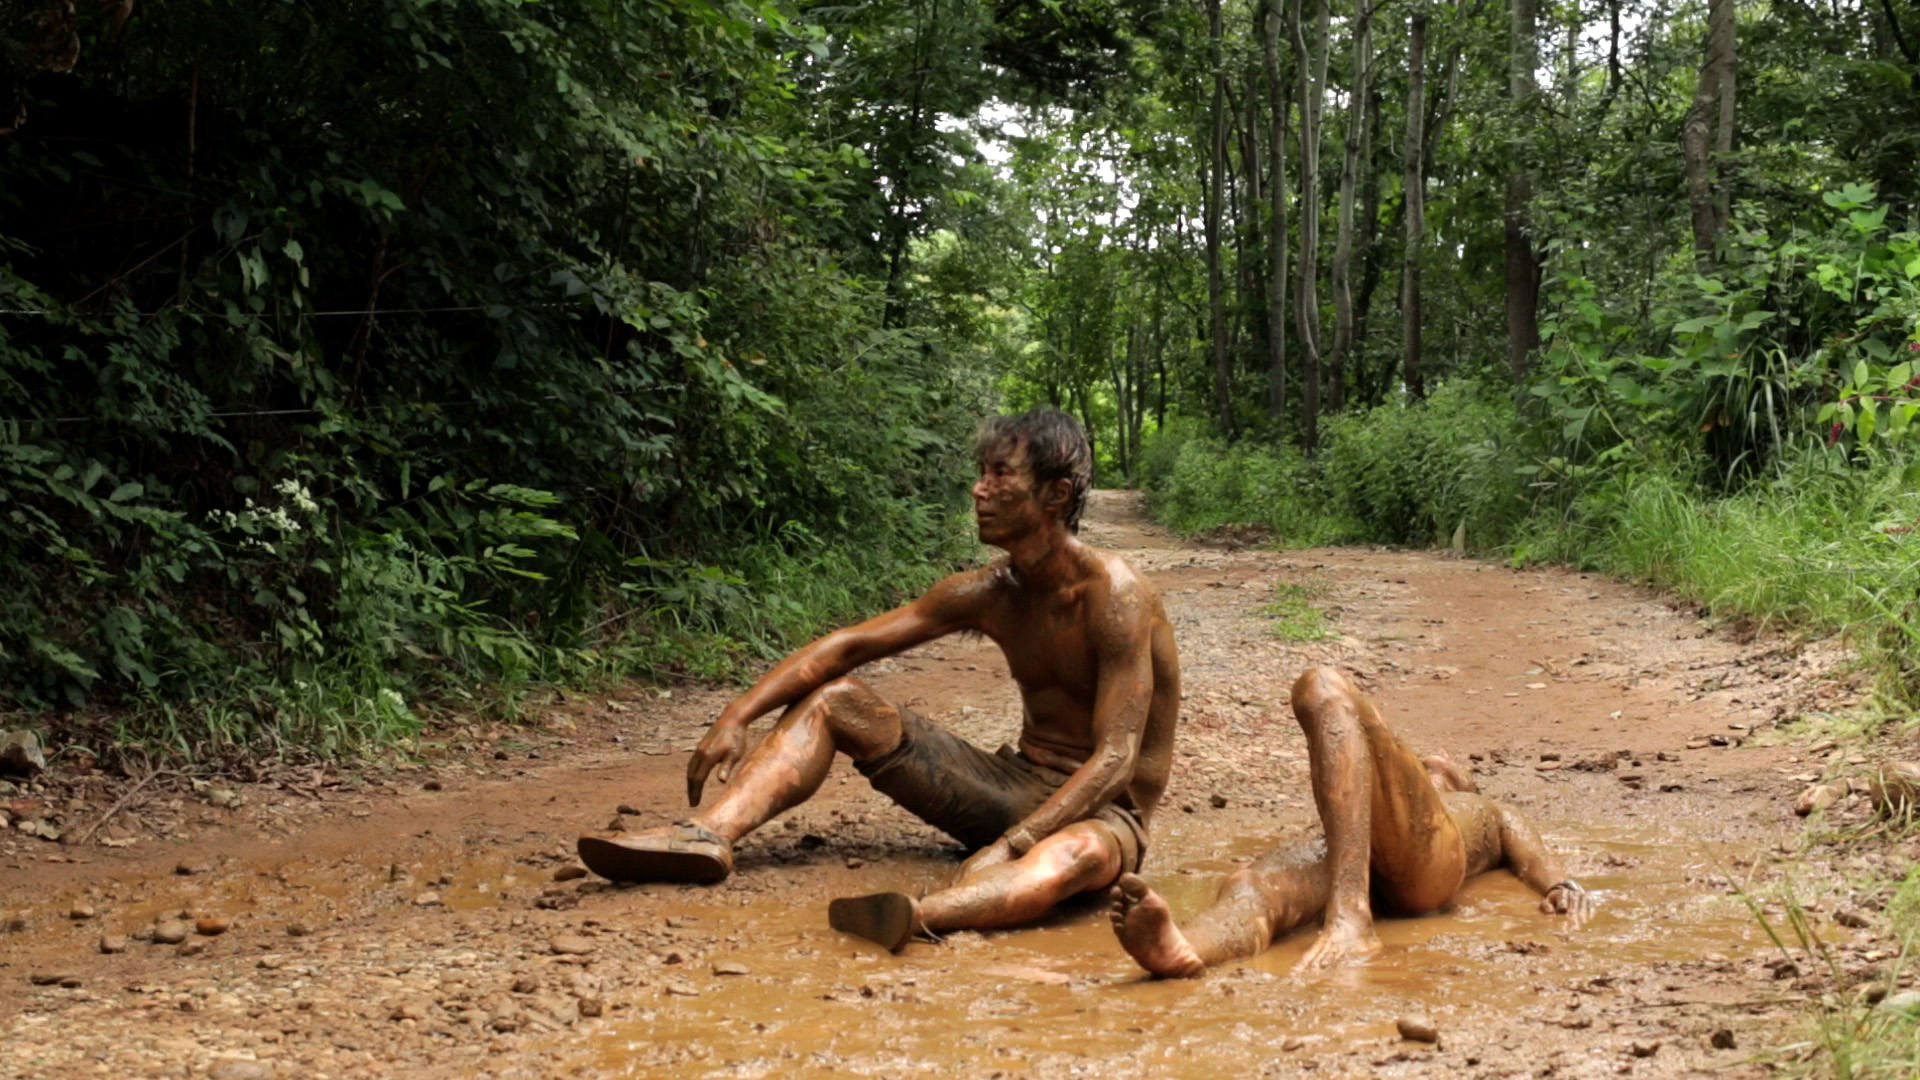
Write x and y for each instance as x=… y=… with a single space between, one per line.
x=681 y=852
x=886 y=919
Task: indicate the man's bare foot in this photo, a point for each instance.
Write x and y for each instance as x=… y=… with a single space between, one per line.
x=1341 y=941
x=1144 y=924
x=1447 y=775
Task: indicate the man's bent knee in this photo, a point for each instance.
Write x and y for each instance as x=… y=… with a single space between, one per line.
x=1088 y=854
x=864 y=724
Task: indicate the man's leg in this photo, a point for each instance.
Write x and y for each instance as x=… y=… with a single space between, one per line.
x=1079 y=858
x=1383 y=816
x=1282 y=890
x=787 y=767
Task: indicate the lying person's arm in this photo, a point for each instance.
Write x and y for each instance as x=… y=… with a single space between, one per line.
x=1531 y=861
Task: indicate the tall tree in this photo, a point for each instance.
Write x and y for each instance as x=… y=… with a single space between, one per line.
x=1216 y=194
x=1313 y=82
x=1277 y=195
x=1713 y=92
x=1414 y=192
x=1355 y=157
x=1522 y=262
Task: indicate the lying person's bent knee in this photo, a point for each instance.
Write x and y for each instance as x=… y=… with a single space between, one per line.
x=1318 y=687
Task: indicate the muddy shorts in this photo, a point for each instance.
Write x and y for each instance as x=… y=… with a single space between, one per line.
x=976 y=797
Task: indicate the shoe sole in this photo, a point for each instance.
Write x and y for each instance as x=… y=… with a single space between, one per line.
x=616 y=861
x=886 y=919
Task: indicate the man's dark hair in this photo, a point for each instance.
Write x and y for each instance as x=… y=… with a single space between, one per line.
x=1056 y=447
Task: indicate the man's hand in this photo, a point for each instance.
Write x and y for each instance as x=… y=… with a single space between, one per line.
x=992 y=855
x=722 y=748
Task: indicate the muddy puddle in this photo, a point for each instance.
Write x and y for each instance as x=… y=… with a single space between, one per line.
x=1062 y=999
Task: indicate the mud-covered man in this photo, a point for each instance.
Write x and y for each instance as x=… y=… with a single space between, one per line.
x=1401 y=831
x=1063 y=812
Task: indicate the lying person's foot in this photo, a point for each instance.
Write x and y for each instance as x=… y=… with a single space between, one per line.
x=1144 y=924
x=1447 y=775
x=887 y=919
x=1342 y=941
x=682 y=852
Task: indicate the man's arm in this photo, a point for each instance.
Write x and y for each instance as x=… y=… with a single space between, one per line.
x=1123 y=643
x=953 y=604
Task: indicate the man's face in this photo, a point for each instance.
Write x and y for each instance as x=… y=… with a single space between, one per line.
x=1006 y=502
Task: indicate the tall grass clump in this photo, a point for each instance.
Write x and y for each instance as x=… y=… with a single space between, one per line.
x=1823 y=545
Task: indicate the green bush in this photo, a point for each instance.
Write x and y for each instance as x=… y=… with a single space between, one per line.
x=1413 y=474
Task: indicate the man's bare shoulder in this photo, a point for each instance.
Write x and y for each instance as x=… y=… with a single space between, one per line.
x=1123 y=590
x=969 y=587
x=1122 y=577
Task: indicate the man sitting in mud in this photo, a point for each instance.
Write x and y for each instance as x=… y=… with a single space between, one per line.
x=1401 y=831
x=1066 y=812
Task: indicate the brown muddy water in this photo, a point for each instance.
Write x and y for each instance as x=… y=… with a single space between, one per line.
x=1062 y=999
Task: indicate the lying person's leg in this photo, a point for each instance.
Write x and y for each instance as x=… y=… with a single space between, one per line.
x=1281 y=891
x=1388 y=833
x=1079 y=858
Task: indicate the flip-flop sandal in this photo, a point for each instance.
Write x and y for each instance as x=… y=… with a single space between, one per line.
x=685 y=853
x=886 y=919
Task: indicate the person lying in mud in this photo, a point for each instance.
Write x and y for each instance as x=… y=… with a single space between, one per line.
x=1402 y=831
x=1065 y=812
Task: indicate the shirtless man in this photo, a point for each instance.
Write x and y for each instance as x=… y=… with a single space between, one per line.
x=1401 y=830
x=1067 y=812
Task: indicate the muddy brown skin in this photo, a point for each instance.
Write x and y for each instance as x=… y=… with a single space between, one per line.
x=1086 y=640
x=1401 y=829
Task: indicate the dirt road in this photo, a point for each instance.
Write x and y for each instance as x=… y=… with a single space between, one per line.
x=419 y=920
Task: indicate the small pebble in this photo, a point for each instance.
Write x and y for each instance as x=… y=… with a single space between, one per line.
x=112 y=943
x=427 y=899
x=82 y=911
x=731 y=967
x=569 y=873
x=1643 y=1049
x=1417 y=1029
x=210 y=926
x=1723 y=1039
x=240 y=1069
x=170 y=932
x=570 y=945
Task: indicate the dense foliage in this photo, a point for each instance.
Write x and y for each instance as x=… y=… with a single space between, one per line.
x=355 y=351
x=412 y=347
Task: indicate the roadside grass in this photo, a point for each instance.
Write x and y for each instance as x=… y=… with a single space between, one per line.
x=1863 y=1030
x=1295 y=618
x=669 y=622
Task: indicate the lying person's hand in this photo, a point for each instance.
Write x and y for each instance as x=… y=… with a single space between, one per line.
x=1568 y=898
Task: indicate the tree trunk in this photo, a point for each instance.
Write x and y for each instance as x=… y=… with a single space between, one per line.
x=1277 y=195
x=1369 y=245
x=1216 y=173
x=1313 y=81
x=1247 y=300
x=1357 y=128
x=1714 y=87
x=1522 y=263
x=1414 y=184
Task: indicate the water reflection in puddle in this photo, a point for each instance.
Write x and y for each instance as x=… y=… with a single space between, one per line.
x=1062 y=998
